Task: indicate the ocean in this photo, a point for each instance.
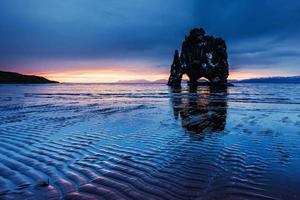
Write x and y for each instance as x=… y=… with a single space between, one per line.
x=147 y=141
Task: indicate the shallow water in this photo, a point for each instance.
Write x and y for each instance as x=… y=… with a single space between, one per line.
x=110 y=141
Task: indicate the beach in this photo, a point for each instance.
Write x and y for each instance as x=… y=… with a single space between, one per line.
x=148 y=141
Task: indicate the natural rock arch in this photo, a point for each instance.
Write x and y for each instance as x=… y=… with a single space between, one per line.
x=201 y=56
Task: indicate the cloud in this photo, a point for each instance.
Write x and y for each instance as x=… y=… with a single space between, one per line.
x=258 y=33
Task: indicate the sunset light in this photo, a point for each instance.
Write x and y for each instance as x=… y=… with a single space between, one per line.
x=104 y=76
x=115 y=75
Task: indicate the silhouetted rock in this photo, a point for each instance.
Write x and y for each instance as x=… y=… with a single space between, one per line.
x=12 y=77
x=176 y=71
x=201 y=56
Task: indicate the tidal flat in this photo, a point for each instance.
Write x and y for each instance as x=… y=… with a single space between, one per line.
x=147 y=141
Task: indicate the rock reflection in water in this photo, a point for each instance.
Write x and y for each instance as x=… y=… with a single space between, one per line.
x=200 y=109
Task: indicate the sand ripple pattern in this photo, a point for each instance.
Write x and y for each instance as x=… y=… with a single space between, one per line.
x=89 y=141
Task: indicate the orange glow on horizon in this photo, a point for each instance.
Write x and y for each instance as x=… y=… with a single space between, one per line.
x=246 y=74
x=103 y=76
x=117 y=74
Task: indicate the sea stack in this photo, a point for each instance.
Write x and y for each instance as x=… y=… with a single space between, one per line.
x=201 y=56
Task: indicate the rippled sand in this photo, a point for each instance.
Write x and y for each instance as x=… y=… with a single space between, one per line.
x=88 y=141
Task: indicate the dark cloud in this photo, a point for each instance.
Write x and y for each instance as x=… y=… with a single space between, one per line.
x=258 y=32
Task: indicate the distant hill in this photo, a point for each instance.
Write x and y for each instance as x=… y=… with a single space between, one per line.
x=291 y=79
x=12 y=77
x=142 y=81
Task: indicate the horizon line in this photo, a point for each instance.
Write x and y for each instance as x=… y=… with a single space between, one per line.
x=155 y=81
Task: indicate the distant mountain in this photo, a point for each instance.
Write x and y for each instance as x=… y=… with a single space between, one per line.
x=164 y=81
x=291 y=79
x=12 y=77
x=142 y=81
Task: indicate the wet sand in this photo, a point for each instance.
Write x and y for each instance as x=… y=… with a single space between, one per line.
x=126 y=141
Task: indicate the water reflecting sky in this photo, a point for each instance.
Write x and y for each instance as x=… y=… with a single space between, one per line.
x=126 y=141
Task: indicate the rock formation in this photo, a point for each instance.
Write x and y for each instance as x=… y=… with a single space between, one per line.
x=201 y=56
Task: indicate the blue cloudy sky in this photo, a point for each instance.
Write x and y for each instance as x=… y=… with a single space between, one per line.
x=136 y=36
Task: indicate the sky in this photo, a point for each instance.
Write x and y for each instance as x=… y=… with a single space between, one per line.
x=111 y=40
